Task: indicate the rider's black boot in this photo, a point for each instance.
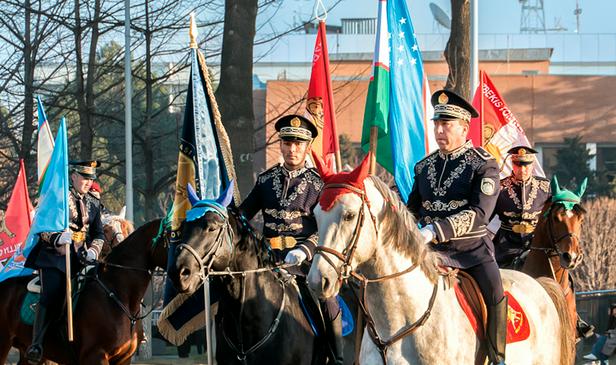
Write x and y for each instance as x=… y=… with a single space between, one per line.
x=335 y=339
x=497 y=332
x=584 y=330
x=34 y=353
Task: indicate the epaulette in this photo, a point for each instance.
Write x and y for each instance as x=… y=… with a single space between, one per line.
x=428 y=155
x=314 y=171
x=483 y=153
x=267 y=173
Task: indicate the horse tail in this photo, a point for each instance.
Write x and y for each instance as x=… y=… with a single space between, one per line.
x=567 y=337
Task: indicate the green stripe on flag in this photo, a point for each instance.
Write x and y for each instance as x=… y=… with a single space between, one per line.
x=376 y=114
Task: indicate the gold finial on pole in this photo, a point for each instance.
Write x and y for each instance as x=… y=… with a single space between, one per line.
x=192 y=32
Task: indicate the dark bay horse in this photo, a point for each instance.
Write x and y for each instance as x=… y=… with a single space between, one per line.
x=556 y=245
x=260 y=319
x=105 y=312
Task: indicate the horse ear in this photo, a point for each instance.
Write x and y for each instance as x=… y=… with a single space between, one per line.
x=554 y=185
x=362 y=171
x=582 y=188
x=192 y=194
x=227 y=195
x=321 y=166
x=122 y=213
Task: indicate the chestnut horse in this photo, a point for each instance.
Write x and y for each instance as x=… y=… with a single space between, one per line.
x=105 y=313
x=556 y=246
x=115 y=228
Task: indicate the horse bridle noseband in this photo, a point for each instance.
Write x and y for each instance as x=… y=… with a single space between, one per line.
x=345 y=272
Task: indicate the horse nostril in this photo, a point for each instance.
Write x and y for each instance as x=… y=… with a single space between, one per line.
x=567 y=257
x=184 y=273
x=326 y=283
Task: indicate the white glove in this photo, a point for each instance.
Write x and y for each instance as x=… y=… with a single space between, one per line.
x=65 y=238
x=295 y=257
x=91 y=255
x=428 y=233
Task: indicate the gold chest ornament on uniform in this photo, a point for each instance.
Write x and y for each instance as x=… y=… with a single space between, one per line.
x=523 y=228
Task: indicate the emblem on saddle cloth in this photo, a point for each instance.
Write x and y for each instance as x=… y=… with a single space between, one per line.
x=518 y=328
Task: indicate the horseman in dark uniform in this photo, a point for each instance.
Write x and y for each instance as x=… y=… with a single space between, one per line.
x=520 y=202
x=286 y=194
x=84 y=239
x=453 y=196
x=518 y=207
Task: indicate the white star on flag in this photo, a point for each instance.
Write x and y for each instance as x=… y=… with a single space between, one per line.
x=402 y=20
x=415 y=48
x=413 y=61
x=400 y=61
x=401 y=34
x=400 y=48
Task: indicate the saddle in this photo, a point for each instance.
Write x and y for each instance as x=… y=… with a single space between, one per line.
x=472 y=303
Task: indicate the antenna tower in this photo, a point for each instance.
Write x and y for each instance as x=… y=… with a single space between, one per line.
x=532 y=19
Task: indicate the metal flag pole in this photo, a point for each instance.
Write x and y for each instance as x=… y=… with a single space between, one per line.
x=69 y=293
x=474 y=45
x=128 y=131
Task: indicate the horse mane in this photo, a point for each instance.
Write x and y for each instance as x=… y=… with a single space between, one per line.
x=250 y=237
x=399 y=229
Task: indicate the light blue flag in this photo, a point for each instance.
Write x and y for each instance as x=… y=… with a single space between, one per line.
x=408 y=94
x=51 y=213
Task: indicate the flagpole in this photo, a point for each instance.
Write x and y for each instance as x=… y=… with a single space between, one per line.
x=481 y=121
x=69 y=293
x=128 y=131
x=474 y=44
x=192 y=33
x=374 y=134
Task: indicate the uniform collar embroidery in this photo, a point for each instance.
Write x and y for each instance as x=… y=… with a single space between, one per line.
x=292 y=173
x=457 y=152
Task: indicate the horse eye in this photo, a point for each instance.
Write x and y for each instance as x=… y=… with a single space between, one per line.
x=348 y=216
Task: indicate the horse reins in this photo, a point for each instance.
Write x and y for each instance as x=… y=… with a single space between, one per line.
x=346 y=272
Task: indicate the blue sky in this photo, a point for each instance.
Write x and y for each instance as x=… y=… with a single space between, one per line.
x=495 y=16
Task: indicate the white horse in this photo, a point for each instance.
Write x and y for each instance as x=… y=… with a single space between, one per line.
x=369 y=233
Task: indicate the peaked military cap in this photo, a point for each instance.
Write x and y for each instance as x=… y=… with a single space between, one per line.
x=449 y=106
x=86 y=169
x=522 y=155
x=296 y=128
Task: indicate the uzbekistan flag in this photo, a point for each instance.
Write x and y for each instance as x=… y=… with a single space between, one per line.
x=398 y=97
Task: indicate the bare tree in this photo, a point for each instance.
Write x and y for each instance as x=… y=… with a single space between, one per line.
x=598 y=270
x=458 y=49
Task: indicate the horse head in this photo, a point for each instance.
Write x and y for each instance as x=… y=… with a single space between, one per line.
x=356 y=214
x=562 y=226
x=116 y=227
x=206 y=237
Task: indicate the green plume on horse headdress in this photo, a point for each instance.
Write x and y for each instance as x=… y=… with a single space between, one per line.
x=567 y=197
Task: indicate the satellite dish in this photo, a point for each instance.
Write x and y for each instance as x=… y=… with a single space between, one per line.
x=440 y=16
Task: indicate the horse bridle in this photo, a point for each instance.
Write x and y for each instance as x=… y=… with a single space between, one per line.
x=205 y=271
x=346 y=272
x=553 y=249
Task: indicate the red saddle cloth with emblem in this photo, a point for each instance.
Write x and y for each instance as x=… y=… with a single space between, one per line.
x=469 y=297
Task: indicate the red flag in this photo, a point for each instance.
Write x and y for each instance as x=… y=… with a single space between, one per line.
x=16 y=221
x=501 y=130
x=320 y=104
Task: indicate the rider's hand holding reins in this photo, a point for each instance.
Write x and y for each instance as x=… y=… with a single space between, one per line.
x=428 y=233
x=295 y=257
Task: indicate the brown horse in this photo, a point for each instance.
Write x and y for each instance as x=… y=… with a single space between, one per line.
x=105 y=313
x=556 y=248
x=115 y=228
